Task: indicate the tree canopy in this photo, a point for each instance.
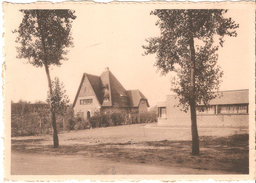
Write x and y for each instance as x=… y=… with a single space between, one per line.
x=173 y=51
x=43 y=36
x=186 y=47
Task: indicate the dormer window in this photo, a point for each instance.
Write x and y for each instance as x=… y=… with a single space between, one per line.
x=105 y=99
x=106 y=96
x=105 y=87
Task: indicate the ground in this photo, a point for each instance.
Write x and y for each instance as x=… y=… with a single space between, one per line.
x=134 y=149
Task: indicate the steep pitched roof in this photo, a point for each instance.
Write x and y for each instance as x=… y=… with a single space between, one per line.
x=96 y=85
x=135 y=97
x=118 y=96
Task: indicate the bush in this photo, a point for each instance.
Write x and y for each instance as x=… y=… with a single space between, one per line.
x=118 y=118
x=71 y=124
x=95 y=121
x=78 y=123
x=147 y=117
x=106 y=120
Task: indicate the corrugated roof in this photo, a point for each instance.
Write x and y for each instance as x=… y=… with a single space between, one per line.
x=135 y=96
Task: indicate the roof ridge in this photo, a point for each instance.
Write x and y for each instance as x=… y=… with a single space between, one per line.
x=216 y=91
x=233 y=90
x=79 y=88
x=90 y=74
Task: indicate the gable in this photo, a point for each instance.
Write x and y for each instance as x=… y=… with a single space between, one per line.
x=86 y=88
x=108 y=91
x=135 y=96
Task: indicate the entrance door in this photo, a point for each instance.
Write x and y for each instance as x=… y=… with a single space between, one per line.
x=88 y=114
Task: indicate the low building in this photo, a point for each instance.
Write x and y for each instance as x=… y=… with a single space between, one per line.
x=105 y=94
x=229 y=109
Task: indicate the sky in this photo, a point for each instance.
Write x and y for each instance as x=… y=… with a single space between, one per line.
x=112 y=36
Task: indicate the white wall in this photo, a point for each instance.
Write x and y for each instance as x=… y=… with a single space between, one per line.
x=176 y=117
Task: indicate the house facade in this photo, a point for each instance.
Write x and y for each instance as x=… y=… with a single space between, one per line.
x=105 y=94
x=229 y=109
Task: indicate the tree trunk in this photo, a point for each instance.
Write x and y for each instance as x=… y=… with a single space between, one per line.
x=192 y=103
x=55 y=133
x=195 y=140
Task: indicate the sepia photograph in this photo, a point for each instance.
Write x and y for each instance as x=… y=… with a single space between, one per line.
x=131 y=91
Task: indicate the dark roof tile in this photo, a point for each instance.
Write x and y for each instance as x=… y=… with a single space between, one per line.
x=135 y=96
x=118 y=96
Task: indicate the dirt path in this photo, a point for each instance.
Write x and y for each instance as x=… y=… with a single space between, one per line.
x=43 y=164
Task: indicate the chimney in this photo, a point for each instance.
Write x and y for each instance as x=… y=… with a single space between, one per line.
x=106 y=69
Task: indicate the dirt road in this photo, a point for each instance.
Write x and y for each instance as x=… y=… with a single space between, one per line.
x=43 y=164
x=135 y=149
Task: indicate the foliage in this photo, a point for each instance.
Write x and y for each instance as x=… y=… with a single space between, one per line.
x=173 y=49
x=29 y=118
x=148 y=117
x=54 y=27
x=119 y=118
x=59 y=99
x=96 y=121
x=81 y=124
x=196 y=69
x=34 y=119
x=43 y=36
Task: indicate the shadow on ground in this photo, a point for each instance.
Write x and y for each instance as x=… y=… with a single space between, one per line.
x=229 y=153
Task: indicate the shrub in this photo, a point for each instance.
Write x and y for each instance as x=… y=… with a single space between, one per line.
x=78 y=123
x=147 y=117
x=118 y=118
x=106 y=120
x=95 y=121
x=71 y=124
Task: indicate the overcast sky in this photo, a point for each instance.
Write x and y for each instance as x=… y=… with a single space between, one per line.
x=112 y=36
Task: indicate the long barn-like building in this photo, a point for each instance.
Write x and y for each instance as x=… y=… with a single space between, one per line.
x=229 y=109
x=105 y=94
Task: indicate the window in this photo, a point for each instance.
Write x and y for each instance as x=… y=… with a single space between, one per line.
x=85 y=101
x=233 y=109
x=243 y=109
x=106 y=95
x=162 y=112
x=206 y=109
x=105 y=99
